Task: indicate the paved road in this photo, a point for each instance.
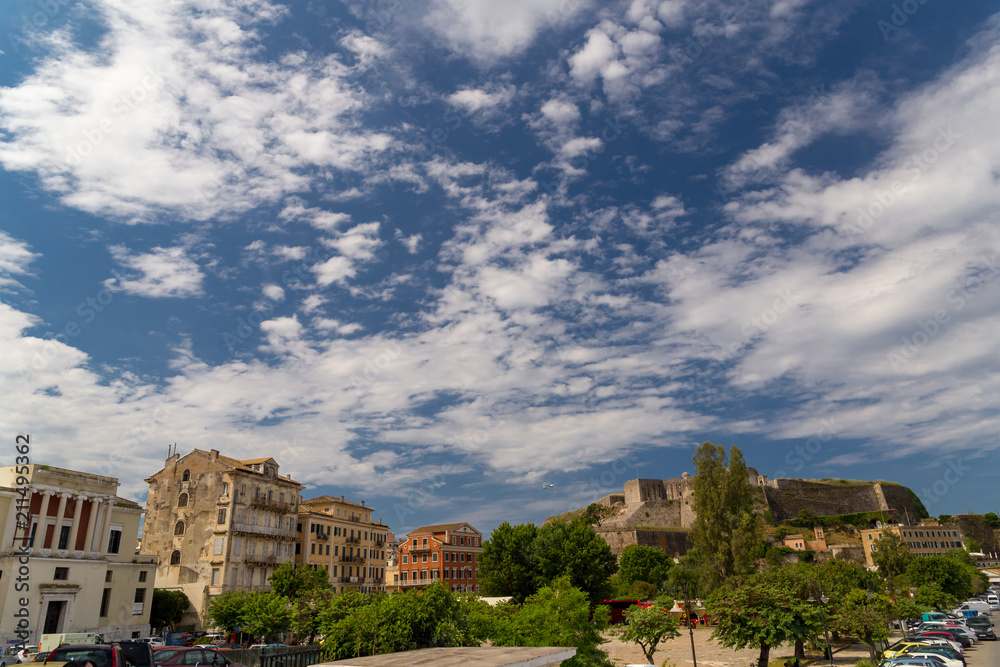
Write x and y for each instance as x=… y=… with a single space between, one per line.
x=985 y=654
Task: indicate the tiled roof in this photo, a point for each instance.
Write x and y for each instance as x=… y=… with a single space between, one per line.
x=439 y=528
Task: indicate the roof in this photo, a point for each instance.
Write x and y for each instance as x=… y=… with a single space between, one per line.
x=323 y=500
x=481 y=656
x=241 y=465
x=440 y=528
x=249 y=462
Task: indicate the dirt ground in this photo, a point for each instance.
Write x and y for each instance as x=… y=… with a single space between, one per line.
x=710 y=654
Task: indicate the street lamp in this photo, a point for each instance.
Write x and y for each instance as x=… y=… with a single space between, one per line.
x=687 y=619
x=823 y=600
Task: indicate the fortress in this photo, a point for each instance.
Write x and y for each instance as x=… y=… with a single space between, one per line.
x=659 y=512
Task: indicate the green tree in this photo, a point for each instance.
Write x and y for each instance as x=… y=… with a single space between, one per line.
x=992 y=520
x=226 y=611
x=291 y=580
x=865 y=616
x=837 y=578
x=972 y=545
x=931 y=595
x=649 y=626
x=726 y=531
x=892 y=555
x=642 y=563
x=761 y=612
x=954 y=571
x=506 y=565
x=167 y=608
x=559 y=615
x=306 y=610
x=574 y=549
x=265 y=614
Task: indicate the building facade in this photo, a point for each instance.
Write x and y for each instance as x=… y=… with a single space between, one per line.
x=341 y=536
x=800 y=543
x=219 y=524
x=447 y=552
x=68 y=560
x=927 y=539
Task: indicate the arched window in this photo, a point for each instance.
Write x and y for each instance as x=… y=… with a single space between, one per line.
x=186 y=476
x=182 y=500
x=175 y=558
x=179 y=528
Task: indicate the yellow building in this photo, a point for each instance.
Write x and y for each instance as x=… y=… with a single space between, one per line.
x=927 y=539
x=219 y=524
x=341 y=536
x=68 y=561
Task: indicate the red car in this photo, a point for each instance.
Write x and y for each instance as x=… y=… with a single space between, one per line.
x=183 y=655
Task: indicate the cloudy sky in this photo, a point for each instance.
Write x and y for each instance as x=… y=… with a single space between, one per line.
x=436 y=254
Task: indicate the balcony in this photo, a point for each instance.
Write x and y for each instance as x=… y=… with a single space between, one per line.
x=354 y=540
x=275 y=505
x=321 y=536
x=348 y=580
x=254 y=559
x=274 y=531
x=418 y=582
x=351 y=559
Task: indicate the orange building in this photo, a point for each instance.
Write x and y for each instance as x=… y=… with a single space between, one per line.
x=447 y=552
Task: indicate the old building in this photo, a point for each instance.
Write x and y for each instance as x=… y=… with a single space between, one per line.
x=69 y=551
x=219 y=524
x=341 y=536
x=447 y=552
x=927 y=539
x=800 y=543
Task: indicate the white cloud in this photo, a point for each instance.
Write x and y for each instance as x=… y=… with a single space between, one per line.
x=164 y=272
x=14 y=259
x=182 y=92
x=274 y=292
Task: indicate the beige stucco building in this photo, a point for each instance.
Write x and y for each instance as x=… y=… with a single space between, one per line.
x=341 y=536
x=68 y=560
x=219 y=524
x=927 y=539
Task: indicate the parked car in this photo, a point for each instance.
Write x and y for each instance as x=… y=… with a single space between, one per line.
x=101 y=655
x=228 y=646
x=177 y=655
x=983 y=627
x=938 y=632
x=947 y=660
x=137 y=652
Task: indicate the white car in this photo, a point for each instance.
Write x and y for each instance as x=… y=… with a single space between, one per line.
x=948 y=662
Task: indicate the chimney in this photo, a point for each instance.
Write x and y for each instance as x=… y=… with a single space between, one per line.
x=362 y=503
x=215 y=454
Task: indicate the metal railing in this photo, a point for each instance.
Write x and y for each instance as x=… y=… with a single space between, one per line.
x=275 y=505
x=275 y=531
x=281 y=656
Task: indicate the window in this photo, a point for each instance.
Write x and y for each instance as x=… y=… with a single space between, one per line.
x=424 y=559
x=107 y=576
x=270 y=495
x=434 y=557
x=142 y=576
x=425 y=542
x=298 y=549
x=218 y=546
x=237 y=545
x=225 y=489
x=182 y=500
x=328 y=550
x=405 y=561
x=175 y=557
x=61 y=574
x=105 y=602
x=186 y=476
x=179 y=528
x=313 y=549
x=114 y=540
x=140 y=595
x=63 y=537
x=215 y=577
x=222 y=516
x=461 y=540
x=414 y=543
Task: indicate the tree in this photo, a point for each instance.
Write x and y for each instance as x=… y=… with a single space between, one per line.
x=306 y=610
x=865 y=616
x=559 y=615
x=167 y=608
x=642 y=563
x=292 y=580
x=574 y=549
x=992 y=520
x=506 y=565
x=226 y=611
x=931 y=595
x=726 y=531
x=265 y=614
x=648 y=626
x=761 y=612
x=891 y=555
x=953 y=571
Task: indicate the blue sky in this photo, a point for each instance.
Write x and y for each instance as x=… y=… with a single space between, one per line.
x=435 y=254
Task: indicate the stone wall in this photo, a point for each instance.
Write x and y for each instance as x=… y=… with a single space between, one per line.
x=612 y=499
x=674 y=543
x=787 y=497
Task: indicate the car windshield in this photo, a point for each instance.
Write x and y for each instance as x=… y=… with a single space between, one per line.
x=97 y=656
x=163 y=655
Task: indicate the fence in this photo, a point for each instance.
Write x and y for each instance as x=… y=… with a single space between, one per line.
x=278 y=656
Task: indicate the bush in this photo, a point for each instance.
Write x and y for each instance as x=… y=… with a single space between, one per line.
x=863 y=662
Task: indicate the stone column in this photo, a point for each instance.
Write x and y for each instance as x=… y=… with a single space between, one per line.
x=42 y=521
x=75 y=529
x=60 y=515
x=102 y=545
x=95 y=506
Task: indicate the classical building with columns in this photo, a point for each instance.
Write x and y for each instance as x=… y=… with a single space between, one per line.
x=218 y=524
x=68 y=556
